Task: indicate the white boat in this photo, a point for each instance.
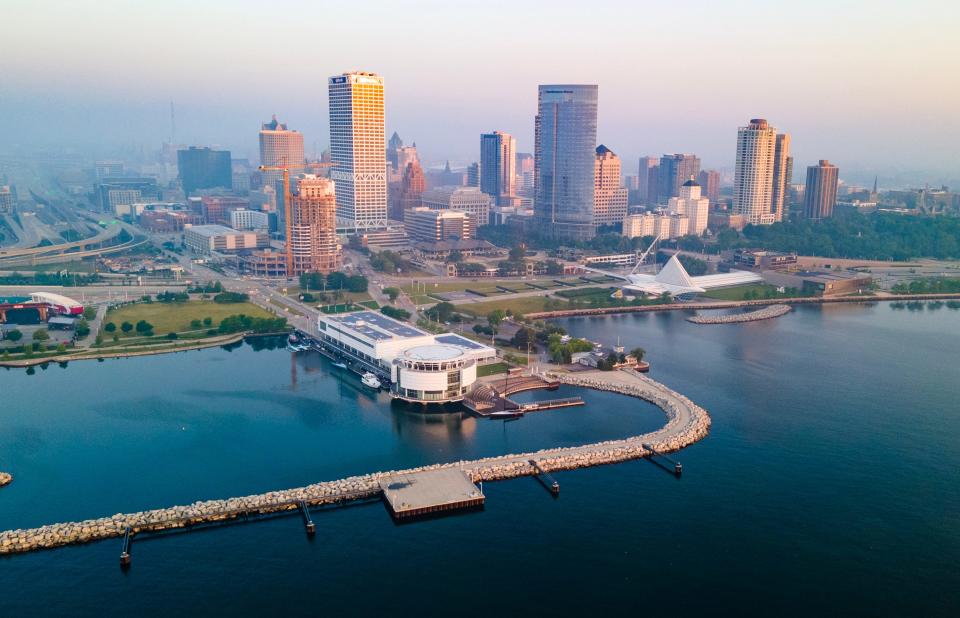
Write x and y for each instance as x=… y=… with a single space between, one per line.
x=371 y=380
x=339 y=365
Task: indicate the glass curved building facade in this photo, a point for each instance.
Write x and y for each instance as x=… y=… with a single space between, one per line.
x=566 y=139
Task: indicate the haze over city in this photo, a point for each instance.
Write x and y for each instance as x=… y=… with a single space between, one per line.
x=469 y=308
x=863 y=83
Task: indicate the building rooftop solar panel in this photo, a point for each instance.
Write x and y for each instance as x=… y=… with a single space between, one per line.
x=457 y=340
x=377 y=326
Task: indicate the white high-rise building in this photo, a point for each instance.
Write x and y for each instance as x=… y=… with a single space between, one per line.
x=280 y=147
x=753 y=180
x=358 y=149
x=781 y=172
x=690 y=204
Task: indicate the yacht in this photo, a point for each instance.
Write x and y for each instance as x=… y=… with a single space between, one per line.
x=371 y=380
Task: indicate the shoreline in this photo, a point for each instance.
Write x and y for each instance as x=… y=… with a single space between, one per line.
x=104 y=354
x=734 y=304
x=686 y=424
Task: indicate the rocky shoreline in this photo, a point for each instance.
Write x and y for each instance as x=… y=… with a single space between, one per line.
x=734 y=304
x=773 y=311
x=686 y=423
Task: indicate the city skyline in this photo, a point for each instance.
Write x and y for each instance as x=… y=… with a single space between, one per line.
x=832 y=94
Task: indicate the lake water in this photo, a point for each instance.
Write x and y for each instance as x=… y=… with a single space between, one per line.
x=830 y=482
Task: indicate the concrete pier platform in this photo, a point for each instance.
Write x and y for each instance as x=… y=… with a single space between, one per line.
x=428 y=492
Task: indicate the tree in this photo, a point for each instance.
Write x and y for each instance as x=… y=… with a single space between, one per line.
x=523 y=337
x=207 y=321
x=395 y=312
x=82 y=329
x=98 y=341
x=441 y=312
x=392 y=293
x=62 y=347
x=14 y=335
x=637 y=353
x=195 y=324
x=41 y=335
x=126 y=327
x=171 y=336
x=110 y=327
x=494 y=318
x=143 y=327
x=89 y=312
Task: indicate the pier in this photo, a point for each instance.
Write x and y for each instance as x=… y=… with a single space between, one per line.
x=426 y=493
x=409 y=493
x=677 y=466
x=550 y=483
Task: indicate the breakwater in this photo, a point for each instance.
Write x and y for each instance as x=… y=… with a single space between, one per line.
x=813 y=300
x=686 y=424
x=772 y=311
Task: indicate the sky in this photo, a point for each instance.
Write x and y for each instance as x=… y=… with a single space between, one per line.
x=874 y=86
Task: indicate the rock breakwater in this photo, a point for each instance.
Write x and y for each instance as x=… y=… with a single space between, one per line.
x=686 y=424
x=773 y=311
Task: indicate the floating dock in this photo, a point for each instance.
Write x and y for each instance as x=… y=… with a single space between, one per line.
x=433 y=491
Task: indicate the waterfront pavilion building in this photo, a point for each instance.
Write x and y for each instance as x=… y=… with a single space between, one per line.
x=422 y=367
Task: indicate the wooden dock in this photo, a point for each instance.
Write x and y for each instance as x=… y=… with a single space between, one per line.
x=420 y=494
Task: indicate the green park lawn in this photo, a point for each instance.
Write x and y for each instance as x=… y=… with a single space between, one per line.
x=176 y=317
x=523 y=305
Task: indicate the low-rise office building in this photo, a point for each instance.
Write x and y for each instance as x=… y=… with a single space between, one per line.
x=206 y=239
x=434 y=225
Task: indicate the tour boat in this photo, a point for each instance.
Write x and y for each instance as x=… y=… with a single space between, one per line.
x=371 y=380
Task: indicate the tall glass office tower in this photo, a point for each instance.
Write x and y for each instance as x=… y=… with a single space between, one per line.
x=566 y=139
x=358 y=149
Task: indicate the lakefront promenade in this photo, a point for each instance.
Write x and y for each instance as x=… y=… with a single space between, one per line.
x=686 y=423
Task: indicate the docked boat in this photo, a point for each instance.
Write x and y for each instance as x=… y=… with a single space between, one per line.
x=371 y=380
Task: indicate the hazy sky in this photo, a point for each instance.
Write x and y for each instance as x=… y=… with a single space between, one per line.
x=871 y=85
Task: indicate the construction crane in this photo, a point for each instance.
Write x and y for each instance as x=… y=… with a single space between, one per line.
x=287 y=223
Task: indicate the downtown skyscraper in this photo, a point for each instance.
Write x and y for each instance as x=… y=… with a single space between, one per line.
x=280 y=147
x=674 y=170
x=753 y=178
x=358 y=149
x=782 y=164
x=498 y=167
x=610 y=196
x=820 y=193
x=565 y=132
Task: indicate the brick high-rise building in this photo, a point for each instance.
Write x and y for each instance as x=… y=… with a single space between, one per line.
x=709 y=181
x=313 y=233
x=820 y=194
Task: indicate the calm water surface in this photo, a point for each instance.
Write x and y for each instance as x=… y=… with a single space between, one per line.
x=830 y=482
